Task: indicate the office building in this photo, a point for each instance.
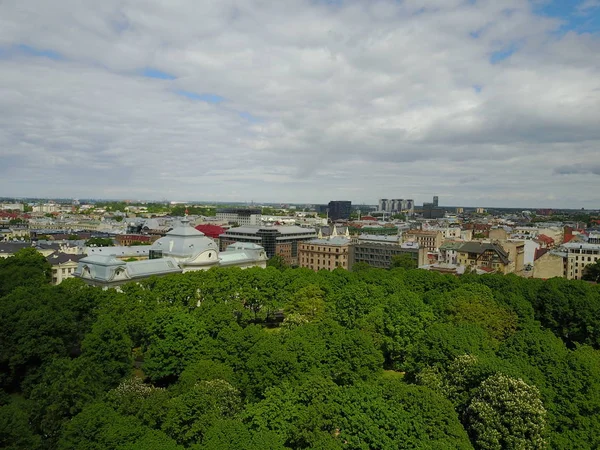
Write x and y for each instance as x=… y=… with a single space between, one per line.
x=378 y=251
x=340 y=209
x=240 y=216
x=276 y=240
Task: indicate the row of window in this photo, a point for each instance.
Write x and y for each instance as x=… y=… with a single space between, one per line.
x=64 y=270
x=589 y=258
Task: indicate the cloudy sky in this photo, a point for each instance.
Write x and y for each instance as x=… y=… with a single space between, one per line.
x=482 y=102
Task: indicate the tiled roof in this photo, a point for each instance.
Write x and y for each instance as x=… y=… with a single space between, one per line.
x=545 y=239
x=539 y=252
x=481 y=247
x=62 y=258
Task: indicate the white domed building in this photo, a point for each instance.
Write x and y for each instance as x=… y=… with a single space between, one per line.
x=181 y=250
x=189 y=247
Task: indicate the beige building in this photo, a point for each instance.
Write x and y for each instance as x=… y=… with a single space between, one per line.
x=63 y=266
x=429 y=240
x=498 y=234
x=11 y=233
x=550 y=264
x=325 y=253
x=579 y=255
x=491 y=257
x=516 y=256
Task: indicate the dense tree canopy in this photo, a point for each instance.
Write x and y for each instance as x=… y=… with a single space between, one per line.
x=398 y=359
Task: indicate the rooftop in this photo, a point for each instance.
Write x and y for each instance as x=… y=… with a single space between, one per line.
x=337 y=241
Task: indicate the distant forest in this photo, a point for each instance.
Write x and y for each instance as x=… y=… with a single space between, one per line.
x=283 y=358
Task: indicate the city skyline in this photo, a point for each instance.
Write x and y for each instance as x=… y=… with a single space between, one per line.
x=486 y=103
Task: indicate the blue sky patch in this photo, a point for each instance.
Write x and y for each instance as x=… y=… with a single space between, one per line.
x=477 y=88
x=580 y=16
x=207 y=97
x=41 y=53
x=155 y=73
x=249 y=117
x=502 y=54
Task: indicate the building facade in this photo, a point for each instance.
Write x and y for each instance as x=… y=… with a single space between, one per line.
x=181 y=250
x=63 y=265
x=328 y=254
x=240 y=216
x=276 y=240
x=483 y=255
x=380 y=254
x=340 y=209
x=429 y=240
x=579 y=255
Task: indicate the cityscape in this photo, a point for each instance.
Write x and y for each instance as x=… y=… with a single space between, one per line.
x=540 y=243
x=300 y=225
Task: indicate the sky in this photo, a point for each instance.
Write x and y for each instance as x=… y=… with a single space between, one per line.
x=481 y=102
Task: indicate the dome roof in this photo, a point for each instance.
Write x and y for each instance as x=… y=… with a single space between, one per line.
x=184 y=242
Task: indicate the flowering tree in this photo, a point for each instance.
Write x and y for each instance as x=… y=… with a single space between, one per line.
x=506 y=413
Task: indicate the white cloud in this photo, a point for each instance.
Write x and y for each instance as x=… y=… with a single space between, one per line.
x=359 y=100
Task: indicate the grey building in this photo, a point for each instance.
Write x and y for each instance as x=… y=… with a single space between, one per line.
x=380 y=253
x=276 y=240
x=241 y=216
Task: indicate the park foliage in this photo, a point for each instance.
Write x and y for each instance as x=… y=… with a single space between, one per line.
x=283 y=358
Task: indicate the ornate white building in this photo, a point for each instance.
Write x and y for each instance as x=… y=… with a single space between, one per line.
x=182 y=249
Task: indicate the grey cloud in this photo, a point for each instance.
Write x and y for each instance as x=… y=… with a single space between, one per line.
x=578 y=169
x=364 y=98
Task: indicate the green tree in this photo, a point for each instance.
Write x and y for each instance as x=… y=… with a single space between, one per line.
x=278 y=262
x=191 y=414
x=109 y=346
x=26 y=268
x=99 y=427
x=506 y=413
x=15 y=431
x=133 y=397
x=404 y=319
x=99 y=242
x=67 y=385
x=175 y=338
x=591 y=272
x=308 y=301
x=474 y=303
x=403 y=261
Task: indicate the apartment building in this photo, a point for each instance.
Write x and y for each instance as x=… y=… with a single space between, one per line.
x=429 y=240
x=325 y=253
x=483 y=255
x=579 y=255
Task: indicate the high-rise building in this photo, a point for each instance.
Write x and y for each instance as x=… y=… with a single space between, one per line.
x=383 y=202
x=435 y=201
x=396 y=205
x=340 y=209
